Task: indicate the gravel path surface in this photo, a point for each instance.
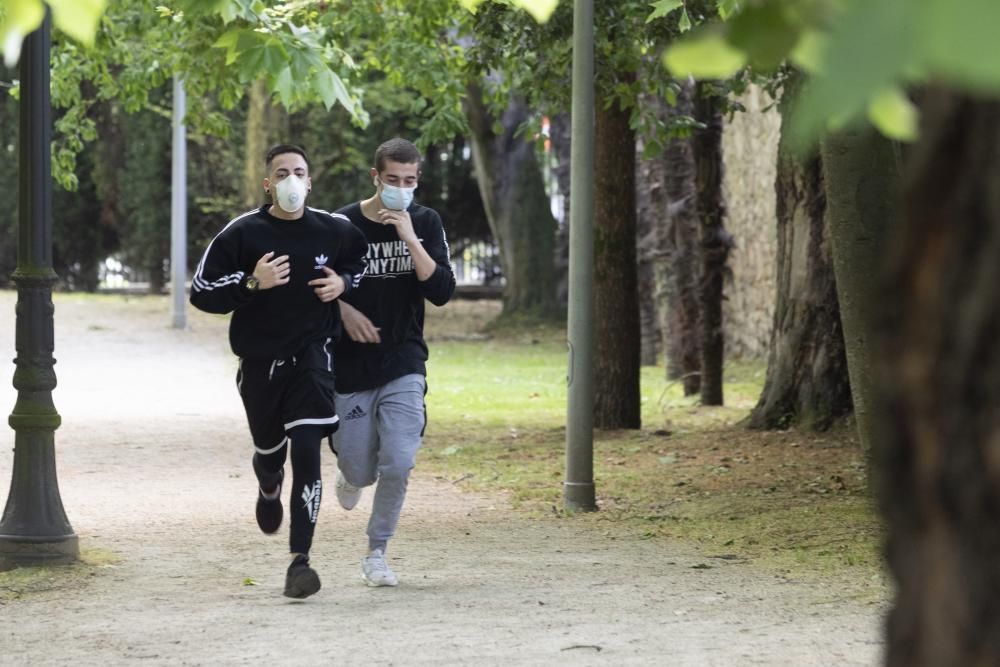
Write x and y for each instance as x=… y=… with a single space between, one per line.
x=153 y=459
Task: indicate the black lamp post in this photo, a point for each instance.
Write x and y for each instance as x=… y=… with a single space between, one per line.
x=34 y=528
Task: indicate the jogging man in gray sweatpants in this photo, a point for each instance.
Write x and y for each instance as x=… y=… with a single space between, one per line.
x=381 y=372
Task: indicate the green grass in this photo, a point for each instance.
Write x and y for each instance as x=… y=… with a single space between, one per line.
x=793 y=502
x=20 y=582
x=521 y=384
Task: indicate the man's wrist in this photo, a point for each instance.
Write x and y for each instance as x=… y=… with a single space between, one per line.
x=251 y=285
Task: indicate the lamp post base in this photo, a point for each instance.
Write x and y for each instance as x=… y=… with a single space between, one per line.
x=579 y=497
x=21 y=550
x=34 y=528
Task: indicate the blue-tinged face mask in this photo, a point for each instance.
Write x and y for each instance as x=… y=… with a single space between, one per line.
x=396 y=198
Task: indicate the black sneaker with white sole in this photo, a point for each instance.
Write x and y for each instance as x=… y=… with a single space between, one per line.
x=269 y=510
x=301 y=581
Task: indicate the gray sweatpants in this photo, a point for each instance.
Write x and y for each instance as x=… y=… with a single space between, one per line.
x=380 y=433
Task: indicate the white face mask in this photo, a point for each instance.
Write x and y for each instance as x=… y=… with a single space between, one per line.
x=396 y=198
x=290 y=193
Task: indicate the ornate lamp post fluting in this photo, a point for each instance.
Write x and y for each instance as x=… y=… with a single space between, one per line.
x=34 y=527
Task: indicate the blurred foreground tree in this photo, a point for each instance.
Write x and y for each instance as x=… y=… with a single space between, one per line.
x=935 y=417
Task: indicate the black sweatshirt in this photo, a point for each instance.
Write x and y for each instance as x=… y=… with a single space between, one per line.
x=277 y=323
x=393 y=299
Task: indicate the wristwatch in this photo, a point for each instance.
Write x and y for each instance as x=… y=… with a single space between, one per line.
x=252 y=284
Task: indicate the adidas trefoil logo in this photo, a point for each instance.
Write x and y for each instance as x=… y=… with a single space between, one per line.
x=355 y=413
x=321 y=261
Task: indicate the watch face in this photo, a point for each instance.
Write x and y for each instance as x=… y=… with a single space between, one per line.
x=252 y=284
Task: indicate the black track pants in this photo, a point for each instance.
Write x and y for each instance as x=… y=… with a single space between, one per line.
x=307 y=487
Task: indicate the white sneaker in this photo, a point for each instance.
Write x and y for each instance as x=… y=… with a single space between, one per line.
x=375 y=571
x=347 y=494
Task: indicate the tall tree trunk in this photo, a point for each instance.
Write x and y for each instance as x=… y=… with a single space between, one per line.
x=616 y=306
x=517 y=206
x=683 y=324
x=652 y=208
x=715 y=242
x=862 y=187
x=807 y=381
x=267 y=125
x=938 y=391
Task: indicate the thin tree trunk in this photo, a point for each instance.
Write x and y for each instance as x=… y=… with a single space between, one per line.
x=108 y=154
x=938 y=392
x=683 y=308
x=715 y=242
x=616 y=368
x=862 y=186
x=807 y=381
x=517 y=206
x=652 y=209
x=267 y=125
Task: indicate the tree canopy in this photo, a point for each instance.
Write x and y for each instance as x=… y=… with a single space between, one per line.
x=306 y=51
x=862 y=55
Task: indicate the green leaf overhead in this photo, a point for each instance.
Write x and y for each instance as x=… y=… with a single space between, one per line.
x=540 y=10
x=76 y=18
x=959 y=40
x=704 y=55
x=662 y=8
x=766 y=33
x=894 y=114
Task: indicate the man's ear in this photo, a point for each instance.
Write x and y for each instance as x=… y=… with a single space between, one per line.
x=267 y=185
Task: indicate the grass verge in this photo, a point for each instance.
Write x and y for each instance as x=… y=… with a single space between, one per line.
x=19 y=582
x=792 y=502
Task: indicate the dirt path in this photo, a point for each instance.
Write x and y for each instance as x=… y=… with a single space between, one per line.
x=154 y=466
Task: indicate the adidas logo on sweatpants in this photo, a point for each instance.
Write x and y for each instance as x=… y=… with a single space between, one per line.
x=355 y=413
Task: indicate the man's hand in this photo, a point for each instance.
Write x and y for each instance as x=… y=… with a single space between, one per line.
x=401 y=221
x=357 y=325
x=328 y=288
x=272 y=272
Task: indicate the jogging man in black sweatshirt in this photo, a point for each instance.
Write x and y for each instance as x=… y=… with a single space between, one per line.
x=380 y=363
x=279 y=270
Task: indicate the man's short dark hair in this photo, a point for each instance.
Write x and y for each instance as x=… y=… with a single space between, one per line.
x=281 y=149
x=396 y=150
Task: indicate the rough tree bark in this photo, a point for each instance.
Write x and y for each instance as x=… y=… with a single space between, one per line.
x=683 y=308
x=862 y=188
x=517 y=206
x=715 y=242
x=938 y=392
x=807 y=381
x=616 y=306
x=652 y=241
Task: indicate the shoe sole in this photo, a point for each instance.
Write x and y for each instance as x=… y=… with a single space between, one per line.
x=303 y=585
x=375 y=584
x=348 y=506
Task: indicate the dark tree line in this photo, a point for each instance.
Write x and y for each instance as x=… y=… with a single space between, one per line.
x=121 y=206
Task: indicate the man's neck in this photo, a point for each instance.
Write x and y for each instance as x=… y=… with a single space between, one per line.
x=371 y=206
x=282 y=214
